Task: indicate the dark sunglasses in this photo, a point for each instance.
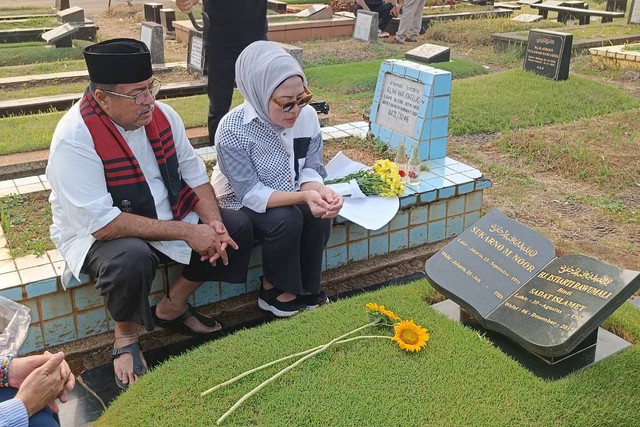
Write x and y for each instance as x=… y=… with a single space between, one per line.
x=287 y=106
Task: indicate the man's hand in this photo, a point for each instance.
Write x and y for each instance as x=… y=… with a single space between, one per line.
x=186 y=5
x=21 y=367
x=44 y=384
x=396 y=10
x=211 y=242
x=333 y=199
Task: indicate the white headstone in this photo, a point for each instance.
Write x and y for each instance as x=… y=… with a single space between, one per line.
x=634 y=12
x=399 y=104
x=60 y=36
x=151 y=34
x=366 y=27
x=527 y=17
x=196 y=55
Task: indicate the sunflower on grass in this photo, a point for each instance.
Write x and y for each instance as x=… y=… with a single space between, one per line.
x=409 y=337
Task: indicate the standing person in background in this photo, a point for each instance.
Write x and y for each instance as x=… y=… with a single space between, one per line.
x=233 y=25
x=386 y=11
x=410 y=22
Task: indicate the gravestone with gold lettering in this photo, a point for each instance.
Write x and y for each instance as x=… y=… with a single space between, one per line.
x=507 y=276
x=411 y=105
x=548 y=53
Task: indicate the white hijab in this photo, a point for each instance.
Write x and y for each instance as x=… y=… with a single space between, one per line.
x=260 y=69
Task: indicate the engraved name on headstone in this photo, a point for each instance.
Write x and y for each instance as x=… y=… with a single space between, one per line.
x=399 y=104
x=548 y=53
x=366 y=26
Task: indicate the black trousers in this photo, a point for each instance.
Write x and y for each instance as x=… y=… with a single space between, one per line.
x=384 y=13
x=124 y=269
x=293 y=241
x=221 y=79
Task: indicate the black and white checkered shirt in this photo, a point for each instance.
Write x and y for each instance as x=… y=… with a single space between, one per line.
x=254 y=160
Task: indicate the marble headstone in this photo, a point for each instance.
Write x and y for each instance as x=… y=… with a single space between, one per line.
x=151 y=34
x=366 y=27
x=429 y=53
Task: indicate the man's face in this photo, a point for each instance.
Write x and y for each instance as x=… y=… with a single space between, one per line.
x=129 y=113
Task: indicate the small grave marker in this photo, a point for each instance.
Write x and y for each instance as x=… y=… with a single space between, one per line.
x=167 y=17
x=151 y=35
x=548 y=53
x=527 y=17
x=196 y=56
x=72 y=14
x=429 y=53
x=316 y=11
x=366 y=26
x=152 y=12
x=60 y=36
x=634 y=12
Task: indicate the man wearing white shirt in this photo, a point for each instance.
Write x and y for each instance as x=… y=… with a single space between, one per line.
x=129 y=192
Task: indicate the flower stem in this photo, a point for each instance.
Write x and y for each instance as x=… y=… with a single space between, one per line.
x=287 y=369
x=282 y=359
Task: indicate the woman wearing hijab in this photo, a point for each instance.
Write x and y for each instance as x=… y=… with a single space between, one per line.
x=270 y=166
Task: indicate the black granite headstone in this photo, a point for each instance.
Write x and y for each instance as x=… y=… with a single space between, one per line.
x=152 y=12
x=548 y=53
x=506 y=275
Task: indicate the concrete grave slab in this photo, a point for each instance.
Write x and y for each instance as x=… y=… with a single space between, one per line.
x=60 y=36
x=152 y=12
x=277 y=6
x=527 y=17
x=62 y=4
x=317 y=11
x=72 y=14
x=429 y=53
x=529 y=2
x=294 y=51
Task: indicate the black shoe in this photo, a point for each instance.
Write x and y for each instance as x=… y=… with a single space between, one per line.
x=313 y=300
x=268 y=301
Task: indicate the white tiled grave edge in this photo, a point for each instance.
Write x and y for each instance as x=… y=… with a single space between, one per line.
x=447 y=200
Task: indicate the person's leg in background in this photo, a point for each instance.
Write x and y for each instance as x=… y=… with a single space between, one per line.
x=221 y=79
x=415 y=24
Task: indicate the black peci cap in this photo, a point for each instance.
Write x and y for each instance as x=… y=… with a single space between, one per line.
x=118 y=61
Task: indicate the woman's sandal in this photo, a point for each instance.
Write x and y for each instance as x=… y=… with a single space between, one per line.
x=177 y=324
x=138 y=367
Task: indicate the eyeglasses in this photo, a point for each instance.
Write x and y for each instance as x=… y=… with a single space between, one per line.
x=140 y=97
x=287 y=106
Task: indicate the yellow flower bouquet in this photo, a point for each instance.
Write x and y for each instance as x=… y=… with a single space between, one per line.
x=383 y=180
x=409 y=337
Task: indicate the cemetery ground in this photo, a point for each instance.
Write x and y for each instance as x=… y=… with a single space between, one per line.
x=564 y=160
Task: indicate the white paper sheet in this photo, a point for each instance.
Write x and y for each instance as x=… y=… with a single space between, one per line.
x=370 y=212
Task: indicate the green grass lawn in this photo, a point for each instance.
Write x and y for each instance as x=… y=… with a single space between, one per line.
x=31 y=53
x=459 y=379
